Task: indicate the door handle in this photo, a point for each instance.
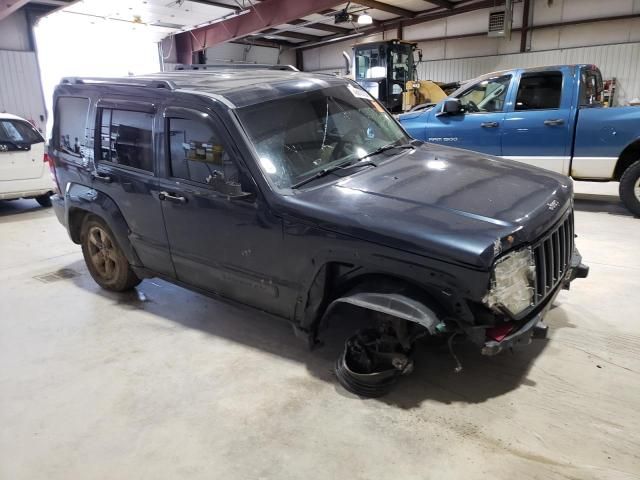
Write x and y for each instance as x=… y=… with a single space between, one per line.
x=101 y=177
x=489 y=124
x=554 y=121
x=167 y=197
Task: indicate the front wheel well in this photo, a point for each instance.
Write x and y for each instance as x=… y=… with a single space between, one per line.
x=347 y=281
x=628 y=157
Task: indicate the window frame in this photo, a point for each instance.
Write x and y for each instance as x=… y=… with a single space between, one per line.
x=207 y=117
x=505 y=108
x=542 y=72
x=123 y=106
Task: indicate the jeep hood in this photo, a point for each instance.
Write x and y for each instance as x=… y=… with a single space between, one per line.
x=442 y=202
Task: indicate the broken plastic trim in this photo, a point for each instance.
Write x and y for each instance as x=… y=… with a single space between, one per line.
x=393 y=304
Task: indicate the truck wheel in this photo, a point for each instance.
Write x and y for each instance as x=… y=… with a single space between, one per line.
x=630 y=188
x=44 y=200
x=106 y=263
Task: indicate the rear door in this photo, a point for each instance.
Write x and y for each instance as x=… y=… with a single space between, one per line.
x=21 y=150
x=126 y=172
x=479 y=128
x=537 y=127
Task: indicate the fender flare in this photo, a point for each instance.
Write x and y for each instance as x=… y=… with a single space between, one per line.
x=92 y=201
x=394 y=304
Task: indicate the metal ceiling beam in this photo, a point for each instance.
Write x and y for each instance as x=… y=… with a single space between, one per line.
x=385 y=7
x=7 y=7
x=268 y=13
x=421 y=17
x=289 y=34
x=318 y=26
x=442 y=3
x=217 y=4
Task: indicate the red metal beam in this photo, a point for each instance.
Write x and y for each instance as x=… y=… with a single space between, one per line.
x=7 y=7
x=268 y=13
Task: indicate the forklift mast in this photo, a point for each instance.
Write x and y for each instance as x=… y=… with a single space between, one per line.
x=384 y=68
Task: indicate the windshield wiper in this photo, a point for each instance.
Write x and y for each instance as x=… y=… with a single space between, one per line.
x=326 y=171
x=387 y=147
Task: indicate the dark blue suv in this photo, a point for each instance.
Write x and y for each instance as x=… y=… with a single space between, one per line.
x=294 y=193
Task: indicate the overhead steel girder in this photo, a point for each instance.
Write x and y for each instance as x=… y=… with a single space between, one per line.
x=269 y=13
x=7 y=7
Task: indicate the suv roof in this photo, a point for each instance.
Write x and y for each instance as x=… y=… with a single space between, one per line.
x=236 y=87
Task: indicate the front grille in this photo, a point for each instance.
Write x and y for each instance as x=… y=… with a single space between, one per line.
x=553 y=258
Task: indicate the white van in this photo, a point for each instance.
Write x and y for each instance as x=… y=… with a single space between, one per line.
x=24 y=169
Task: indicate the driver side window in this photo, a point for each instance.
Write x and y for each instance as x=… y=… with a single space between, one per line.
x=486 y=96
x=197 y=154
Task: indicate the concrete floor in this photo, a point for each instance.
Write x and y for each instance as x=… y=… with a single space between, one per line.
x=168 y=384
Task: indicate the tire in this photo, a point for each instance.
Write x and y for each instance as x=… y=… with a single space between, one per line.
x=44 y=200
x=630 y=188
x=104 y=258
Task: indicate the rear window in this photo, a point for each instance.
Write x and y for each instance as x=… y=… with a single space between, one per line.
x=539 y=91
x=126 y=138
x=18 y=132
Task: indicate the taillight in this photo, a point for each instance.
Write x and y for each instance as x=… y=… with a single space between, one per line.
x=52 y=171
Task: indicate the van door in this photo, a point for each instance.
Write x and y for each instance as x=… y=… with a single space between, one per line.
x=126 y=172
x=222 y=235
x=537 y=130
x=21 y=150
x=479 y=127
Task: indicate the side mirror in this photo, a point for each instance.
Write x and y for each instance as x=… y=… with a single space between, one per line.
x=451 y=106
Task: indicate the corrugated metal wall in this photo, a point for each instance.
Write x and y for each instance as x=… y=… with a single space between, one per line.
x=20 y=89
x=621 y=61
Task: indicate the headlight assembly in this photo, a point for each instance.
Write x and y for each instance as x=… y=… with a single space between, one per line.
x=512 y=282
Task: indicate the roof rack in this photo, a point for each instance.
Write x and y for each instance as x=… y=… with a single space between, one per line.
x=132 y=82
x=235 y=66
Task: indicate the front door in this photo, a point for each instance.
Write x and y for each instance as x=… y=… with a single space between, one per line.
x=537 y=130
x=479 y=128
x=222 y=236
x=125 y=171
x=21 y=151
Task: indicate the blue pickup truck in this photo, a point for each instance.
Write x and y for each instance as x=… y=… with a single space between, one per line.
x=549 y=117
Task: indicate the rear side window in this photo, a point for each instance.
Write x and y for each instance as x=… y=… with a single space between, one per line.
x=72 y=123
x=539 y=91
x=18 y=132
x=126 y=138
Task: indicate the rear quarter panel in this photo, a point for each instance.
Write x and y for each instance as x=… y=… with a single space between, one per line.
x=601 y=136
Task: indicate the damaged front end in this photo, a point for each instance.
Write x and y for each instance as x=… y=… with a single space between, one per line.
x=524 y=284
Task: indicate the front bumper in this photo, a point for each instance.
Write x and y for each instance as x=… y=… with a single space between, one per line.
x=534 y=327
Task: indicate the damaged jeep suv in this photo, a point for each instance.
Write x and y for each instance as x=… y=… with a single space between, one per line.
x=297 y=193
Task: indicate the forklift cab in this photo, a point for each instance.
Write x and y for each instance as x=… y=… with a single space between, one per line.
x=383 y=69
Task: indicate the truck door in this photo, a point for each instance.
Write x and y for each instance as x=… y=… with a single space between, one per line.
x=537 y=128
x=479 y=127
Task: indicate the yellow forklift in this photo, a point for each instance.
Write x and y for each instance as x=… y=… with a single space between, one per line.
x=388 y=71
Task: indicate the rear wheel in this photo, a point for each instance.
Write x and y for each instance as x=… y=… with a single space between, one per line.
x=105 y=260
x=44 y=200
x=630 y=188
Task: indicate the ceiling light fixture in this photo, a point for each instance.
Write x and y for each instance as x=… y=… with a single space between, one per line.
x=365 y=19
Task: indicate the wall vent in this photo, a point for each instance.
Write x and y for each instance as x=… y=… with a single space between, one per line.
x=500 y=21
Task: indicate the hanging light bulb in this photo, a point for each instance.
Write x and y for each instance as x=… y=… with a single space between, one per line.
x=365 y=19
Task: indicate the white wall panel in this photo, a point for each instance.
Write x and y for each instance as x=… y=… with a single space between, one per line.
x=621 y=61
x=14 y=32
x=20 y=89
